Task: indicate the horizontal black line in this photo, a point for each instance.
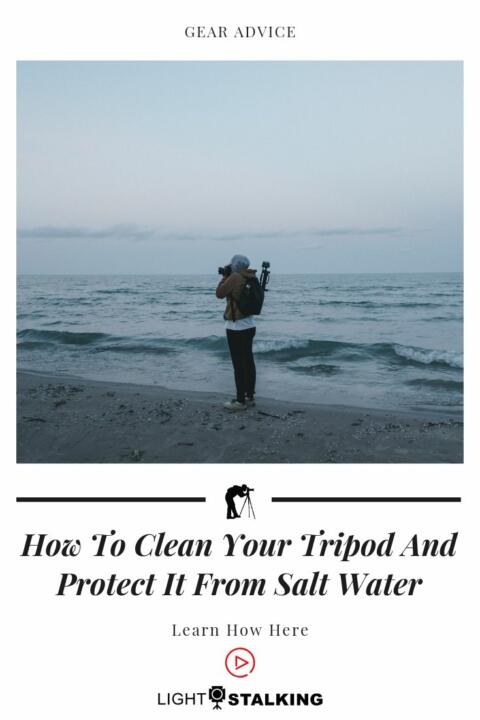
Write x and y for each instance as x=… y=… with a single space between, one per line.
x=110 y=499
x=367 y=499
x=170 y=499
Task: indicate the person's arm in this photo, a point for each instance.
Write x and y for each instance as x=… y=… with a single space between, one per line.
x=226 y=286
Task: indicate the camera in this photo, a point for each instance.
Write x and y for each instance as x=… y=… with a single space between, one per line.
x=217 y=695
x=264 y=275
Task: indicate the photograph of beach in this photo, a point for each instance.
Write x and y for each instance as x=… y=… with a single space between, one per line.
x=240 y=262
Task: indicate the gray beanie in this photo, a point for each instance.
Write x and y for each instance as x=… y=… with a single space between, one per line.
x=239 y=262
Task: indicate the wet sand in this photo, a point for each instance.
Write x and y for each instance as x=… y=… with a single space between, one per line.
x=65 y=420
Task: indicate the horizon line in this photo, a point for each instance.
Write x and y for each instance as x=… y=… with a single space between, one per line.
x=184 y=274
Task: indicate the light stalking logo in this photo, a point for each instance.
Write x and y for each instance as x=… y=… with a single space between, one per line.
x=218 y=696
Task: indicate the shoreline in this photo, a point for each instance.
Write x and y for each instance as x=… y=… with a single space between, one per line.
x=59 y=418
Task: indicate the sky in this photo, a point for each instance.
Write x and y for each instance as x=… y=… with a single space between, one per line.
x=173 y=167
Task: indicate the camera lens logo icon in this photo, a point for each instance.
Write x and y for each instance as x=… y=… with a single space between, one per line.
x=217 y=695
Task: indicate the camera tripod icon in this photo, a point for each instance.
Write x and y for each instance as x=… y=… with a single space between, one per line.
x=241 y=491
x=216 y=695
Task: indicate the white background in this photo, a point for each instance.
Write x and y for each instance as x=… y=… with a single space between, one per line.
x=376 y=657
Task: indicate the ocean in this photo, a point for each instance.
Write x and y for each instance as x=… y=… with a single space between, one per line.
x=381 y=341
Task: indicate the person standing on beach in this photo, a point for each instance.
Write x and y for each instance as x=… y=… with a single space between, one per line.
x=240 y=331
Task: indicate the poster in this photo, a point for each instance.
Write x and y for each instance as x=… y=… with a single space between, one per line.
x=304 y=546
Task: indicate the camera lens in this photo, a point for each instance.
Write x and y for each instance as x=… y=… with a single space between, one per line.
x=217 y=693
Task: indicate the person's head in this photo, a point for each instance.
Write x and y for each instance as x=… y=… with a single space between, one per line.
x=239 y=263
x=244 y=487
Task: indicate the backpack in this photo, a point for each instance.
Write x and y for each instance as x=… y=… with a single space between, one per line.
x=251 y=299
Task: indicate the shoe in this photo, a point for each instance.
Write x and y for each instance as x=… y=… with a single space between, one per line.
x=235 y=406
x=249 y=401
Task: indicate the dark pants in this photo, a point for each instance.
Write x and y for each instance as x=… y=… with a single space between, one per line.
x=240 y=345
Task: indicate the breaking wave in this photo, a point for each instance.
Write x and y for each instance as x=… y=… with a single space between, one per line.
x=291 y=350
x=273 y=350
x=94 y=342
x=60 y=337
x=429 y=357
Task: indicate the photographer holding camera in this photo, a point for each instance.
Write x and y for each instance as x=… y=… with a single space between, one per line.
x=240 y=329
x=241 y=491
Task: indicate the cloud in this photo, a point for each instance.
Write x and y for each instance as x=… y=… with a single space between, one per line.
x=139 y=232
x=252 y=235
x=114 y=232
x=357 y=231
x=50 y=232
x=315 y=232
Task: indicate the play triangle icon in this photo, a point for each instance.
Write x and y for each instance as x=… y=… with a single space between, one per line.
x=240 y=662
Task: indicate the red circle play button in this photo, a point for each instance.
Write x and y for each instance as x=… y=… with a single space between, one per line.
x=240 y=662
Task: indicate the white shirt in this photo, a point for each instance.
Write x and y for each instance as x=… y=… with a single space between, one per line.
x=241 y=324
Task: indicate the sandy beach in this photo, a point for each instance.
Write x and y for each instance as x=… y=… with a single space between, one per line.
x=65 y=420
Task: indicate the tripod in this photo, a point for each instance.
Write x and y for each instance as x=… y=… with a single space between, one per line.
x=248 y=503
x=265 y=275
